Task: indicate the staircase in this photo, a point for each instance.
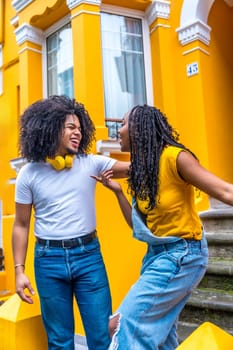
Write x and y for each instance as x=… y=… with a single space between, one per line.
x=212 y=300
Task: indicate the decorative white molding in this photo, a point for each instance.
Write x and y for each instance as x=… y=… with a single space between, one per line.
x=107 y=146
x=229 y=2
x=26 y=32
x=197 y=48
x=193 y=21
x=27 y=48
x=85 y=12
x=159 y=26
x=195 y=10
x=73 y=3
x=14 y=21
x=197 y=30
x=17 y=163
x=20 y=4
x=158 y=9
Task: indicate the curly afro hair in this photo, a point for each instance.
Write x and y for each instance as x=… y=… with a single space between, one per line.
x=42 y=123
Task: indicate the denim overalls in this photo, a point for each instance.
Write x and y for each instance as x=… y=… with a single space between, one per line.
x=171 y=268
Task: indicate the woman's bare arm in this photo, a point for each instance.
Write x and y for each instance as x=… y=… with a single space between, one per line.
x=105 y=179
x=192 y=172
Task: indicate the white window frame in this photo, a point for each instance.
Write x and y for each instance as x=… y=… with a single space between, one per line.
x=55 y=27
x=107 y=146
x=146 y=43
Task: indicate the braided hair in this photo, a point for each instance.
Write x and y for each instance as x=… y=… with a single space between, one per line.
x=42 y=123
x=149 y=133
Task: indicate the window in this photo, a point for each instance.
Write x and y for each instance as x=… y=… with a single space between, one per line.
x=60 y=62
x=123 y=65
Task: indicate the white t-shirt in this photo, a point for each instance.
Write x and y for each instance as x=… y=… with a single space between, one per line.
x=63 y=201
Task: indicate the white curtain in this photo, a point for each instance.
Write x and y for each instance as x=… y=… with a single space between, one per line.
x=123 y=64
x=60 y=62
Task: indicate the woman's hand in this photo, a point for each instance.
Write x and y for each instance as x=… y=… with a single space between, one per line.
x=105 y=179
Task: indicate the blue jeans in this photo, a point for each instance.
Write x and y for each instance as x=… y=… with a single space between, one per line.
x=62 y=274
x=149 y=313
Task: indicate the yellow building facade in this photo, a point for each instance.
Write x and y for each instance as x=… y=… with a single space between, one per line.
x=180 y=53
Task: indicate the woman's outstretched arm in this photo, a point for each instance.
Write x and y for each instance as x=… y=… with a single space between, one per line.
x=105 y=179
x=192 y=172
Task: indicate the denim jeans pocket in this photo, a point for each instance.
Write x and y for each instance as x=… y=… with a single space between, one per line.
x=40 y=251
x=92 y=246
x=177 y=255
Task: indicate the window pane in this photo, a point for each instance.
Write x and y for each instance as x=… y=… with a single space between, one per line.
x=123 y=64
x=60 y=62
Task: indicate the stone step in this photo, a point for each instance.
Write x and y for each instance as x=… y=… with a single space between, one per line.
x=185 y=329
x=211 y=305
x=218 y=275
x=220 y=244
x=218 y=266
x=218 y=220
x=212 y=299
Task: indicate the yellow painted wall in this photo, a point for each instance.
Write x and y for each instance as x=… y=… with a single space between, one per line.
x=199 y=107
x=218 y=90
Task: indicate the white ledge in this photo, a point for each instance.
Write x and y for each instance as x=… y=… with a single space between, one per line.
x=108 y=146
x=17 y=163
x=158 y=9
x=26 y=32
x=73 y=3
x=20 y=4
x=197 y=30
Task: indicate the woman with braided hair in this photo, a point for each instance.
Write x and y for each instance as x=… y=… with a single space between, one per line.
x=55 y=137
x=162 y=177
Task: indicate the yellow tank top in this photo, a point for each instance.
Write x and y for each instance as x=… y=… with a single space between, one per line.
x=175 y=213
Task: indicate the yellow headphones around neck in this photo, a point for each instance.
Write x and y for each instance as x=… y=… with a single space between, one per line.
x=60 y=163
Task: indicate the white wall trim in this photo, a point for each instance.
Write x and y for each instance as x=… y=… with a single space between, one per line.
x=26 y=32
x=193 y=21
x=19 y=5
x=85 y=12
x=197 y=30
x=165 y=26
x=124 y=11
x=197 y=48
x=158 y=9
x=27 y=48
x=106 y=147
x=74 y=3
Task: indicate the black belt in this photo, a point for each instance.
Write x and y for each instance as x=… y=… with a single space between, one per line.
x=68 y=243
